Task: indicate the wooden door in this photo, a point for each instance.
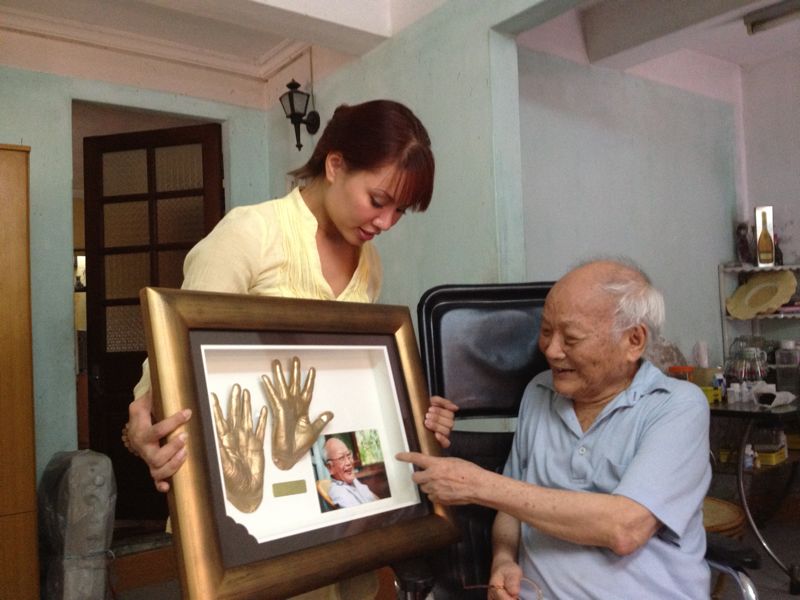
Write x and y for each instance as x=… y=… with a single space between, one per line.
x=149 y=197
x=19 y=570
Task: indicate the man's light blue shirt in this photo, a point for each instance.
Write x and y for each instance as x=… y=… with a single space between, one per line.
x=347 y=495
x=649 y=444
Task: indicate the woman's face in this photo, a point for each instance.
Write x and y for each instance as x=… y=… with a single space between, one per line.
x=360 y=204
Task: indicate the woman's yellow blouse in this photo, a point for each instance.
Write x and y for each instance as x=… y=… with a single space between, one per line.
x=270 y=249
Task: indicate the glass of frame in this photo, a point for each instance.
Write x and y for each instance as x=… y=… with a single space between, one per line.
x=305 y=531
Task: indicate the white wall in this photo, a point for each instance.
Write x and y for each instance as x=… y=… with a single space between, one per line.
x=613 y=164
x=771 y=94
x=684 y=69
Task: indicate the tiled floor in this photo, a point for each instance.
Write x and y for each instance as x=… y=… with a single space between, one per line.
x=783 y=536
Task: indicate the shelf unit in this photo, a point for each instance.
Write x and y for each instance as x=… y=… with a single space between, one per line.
x=728 y=281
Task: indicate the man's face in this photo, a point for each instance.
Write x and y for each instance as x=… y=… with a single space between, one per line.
x=340 y=461
x=590 y=363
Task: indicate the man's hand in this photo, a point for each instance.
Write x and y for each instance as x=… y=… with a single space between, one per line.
x=241 y=450
x=293 y=433
x=505 y=580
x=144 y=438
x=445 y=480
x=440 y=418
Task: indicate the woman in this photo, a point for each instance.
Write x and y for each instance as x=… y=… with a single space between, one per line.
x=373 y=162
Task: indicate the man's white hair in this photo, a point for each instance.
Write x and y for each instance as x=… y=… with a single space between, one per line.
x=638 y=302
x=327 y=443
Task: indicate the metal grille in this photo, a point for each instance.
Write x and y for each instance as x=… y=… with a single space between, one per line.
x=180 y=219
x=125 y=172
x=124 y=329
x=126 y=274
x=125 y=224
x=179 y=167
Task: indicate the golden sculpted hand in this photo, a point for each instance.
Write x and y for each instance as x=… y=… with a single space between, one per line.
x=293 y=433
x=241 y=450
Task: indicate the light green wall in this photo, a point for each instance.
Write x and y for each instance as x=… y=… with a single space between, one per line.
x=613 y=164
x=36 y=112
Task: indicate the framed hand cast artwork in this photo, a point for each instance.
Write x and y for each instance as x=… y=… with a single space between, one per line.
x=299 y=407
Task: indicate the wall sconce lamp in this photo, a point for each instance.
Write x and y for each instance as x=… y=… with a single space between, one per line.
x=294 y=104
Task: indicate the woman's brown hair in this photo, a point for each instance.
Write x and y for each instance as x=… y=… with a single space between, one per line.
x=373 y=135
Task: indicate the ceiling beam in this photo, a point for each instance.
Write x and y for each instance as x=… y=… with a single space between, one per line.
x=623 y=33
x=319 y=25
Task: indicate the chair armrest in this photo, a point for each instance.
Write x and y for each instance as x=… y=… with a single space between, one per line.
x=731 y=552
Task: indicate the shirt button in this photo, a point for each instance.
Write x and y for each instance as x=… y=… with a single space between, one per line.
x=582 y=450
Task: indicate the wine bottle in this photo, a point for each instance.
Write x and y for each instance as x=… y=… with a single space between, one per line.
x=765 y=246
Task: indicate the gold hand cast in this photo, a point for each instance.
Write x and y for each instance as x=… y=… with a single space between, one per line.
x=241 y=450
x=293 y=433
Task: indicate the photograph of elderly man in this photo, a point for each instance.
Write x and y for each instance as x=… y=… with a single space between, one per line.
x=353 y=472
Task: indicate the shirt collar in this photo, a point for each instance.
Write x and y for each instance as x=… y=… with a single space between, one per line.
x=307 y=217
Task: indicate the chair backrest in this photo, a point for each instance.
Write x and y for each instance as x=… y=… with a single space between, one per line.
x=479 y=347
x=324 y=491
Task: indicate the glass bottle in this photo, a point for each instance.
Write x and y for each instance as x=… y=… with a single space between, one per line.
x=778 y=252
x=764 y=246
x=787 y=363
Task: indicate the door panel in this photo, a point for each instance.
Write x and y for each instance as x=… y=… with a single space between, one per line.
x=149 y=197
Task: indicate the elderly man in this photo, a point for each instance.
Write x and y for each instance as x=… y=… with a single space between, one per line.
x=346 y=490
x=602 y=493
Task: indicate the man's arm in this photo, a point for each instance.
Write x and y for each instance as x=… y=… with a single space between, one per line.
x=506 y=575
x=593 y=519
x=587 y=518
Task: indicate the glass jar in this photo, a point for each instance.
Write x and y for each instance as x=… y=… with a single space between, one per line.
x=749 y=365
x=787 y=362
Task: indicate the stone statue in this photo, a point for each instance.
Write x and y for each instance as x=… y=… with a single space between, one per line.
x=77 y=498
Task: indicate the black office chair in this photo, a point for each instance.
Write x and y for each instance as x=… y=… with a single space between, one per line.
x=479 y=348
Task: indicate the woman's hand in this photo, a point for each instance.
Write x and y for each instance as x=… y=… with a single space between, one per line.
x=144 y=438
x=440 y=418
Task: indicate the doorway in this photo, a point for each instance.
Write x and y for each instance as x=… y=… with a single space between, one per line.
x=148 y=196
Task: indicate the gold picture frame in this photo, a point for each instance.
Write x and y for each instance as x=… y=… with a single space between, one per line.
x=222 y=554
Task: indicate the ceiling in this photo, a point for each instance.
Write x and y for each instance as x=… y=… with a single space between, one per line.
x=728 y=40
x=259 y=37
x=246 y=37
x=624 y=33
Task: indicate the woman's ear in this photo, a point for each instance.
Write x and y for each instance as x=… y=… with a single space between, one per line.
x=334 y=164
